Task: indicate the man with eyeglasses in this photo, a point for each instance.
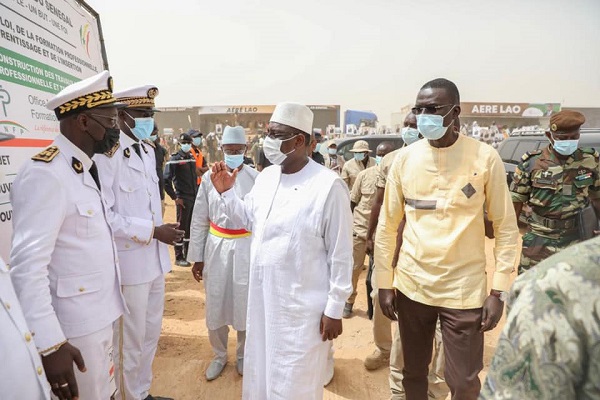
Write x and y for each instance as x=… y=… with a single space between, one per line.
x=64 y=263
x=130 y=184
x=220 y=251
x=558 y=182
x=301 y=266
x=181 y=186
x=442 y=185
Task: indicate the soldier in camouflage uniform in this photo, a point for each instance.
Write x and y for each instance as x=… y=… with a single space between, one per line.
x=557 y=182
x=550 y=346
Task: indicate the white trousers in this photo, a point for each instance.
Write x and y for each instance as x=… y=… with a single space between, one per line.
x=98 y=382
x=137 y=335
x=218 y=341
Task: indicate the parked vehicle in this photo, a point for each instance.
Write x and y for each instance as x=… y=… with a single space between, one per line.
x=344 y=145
x=512 y=148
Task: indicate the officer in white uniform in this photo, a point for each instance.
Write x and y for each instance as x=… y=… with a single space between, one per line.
x=130 y=184
x=64 y=264
x=21 y=372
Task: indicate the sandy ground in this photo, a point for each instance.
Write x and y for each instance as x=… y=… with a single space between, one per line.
x=184 y=351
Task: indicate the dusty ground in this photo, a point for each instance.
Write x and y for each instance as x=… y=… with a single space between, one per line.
x=184 y=351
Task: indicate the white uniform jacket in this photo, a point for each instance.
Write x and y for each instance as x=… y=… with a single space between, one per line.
x=130 y=186
x=64 y=263
x=21 y=373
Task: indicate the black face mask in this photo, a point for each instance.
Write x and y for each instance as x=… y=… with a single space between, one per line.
x=110 y=139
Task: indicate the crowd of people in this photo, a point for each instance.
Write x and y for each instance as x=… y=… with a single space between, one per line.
x=280 y=249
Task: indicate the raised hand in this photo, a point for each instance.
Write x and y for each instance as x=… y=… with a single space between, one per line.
x=221 y=178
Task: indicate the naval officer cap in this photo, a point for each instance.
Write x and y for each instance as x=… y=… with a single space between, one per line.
x=93 y=92
x=566 y=121
x=295 y=115
x=234 y=135
x=139 y=97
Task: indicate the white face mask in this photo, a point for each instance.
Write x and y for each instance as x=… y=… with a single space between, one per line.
x=272 y=149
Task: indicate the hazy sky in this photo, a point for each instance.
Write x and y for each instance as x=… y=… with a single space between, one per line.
x=369 y=55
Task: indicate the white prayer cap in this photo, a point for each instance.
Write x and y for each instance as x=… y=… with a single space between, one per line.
x=92 y=92
x=138 y=97
x=295 y=115
x=234 y=135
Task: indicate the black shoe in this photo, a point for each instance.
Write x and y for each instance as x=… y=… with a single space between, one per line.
x=182 y=263
x=150 y=397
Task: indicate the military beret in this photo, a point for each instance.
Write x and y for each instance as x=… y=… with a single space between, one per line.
x=566 y=120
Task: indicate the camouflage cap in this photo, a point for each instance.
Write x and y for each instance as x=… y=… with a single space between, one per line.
x=566 y=121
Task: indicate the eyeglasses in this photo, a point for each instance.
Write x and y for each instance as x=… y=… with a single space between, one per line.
x=428 y=109
x=113 y=120
x=234 y=152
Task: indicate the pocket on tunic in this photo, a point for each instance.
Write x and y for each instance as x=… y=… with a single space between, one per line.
x=74 y=293
x=90 y=219
x=78 y=285
x=131 y=186
x=542 y=192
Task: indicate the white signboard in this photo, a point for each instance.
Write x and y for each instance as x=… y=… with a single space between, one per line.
x=45 y=45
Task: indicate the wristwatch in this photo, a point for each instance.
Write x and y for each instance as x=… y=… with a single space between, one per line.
x=502 y=296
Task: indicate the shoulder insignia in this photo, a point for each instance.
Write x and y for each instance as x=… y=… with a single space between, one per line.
x=47 y=155
x=150 y=143
x=77 y=165
x=589 y=150
x=127 y=152
x=530 y=154
x=112 y=151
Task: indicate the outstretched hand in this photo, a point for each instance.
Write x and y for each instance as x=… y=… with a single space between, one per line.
x=221 y=178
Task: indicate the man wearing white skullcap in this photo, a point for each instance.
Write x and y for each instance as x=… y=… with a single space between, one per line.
x=301 y=266
x=220 y=251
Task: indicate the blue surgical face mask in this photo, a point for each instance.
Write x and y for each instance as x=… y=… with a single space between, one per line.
x=359 y=156
x=143 y=127
x=378 y=160
x=318 y=147
x=197 y=141
x=565 y=147
x=332 y=152
x=153 y=138
x=409 y=135
x=234 y=160
x=186 y=147
x=432 y=126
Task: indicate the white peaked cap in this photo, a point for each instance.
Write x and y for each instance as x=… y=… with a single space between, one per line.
x=95 y=91
x=295 y=115
x=138 y=97
x=234 y=135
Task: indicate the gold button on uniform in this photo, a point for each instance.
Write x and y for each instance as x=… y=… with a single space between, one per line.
x=127 y=246
x=40 y=370
x=81 y=289
x=7 y=305
x=28 y=337
x=90 y=212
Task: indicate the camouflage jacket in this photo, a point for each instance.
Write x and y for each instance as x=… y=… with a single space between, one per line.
x=550 y=345
x=555 y=189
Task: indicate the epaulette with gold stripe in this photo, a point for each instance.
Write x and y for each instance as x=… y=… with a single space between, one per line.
x=47 y=155
x=112 y=151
